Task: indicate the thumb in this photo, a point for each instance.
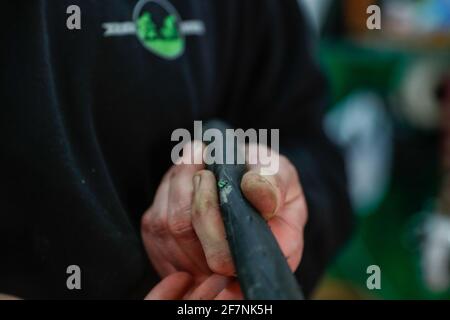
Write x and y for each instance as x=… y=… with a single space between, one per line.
x=263 y=192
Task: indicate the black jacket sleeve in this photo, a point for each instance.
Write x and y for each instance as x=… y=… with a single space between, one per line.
x=276 y=84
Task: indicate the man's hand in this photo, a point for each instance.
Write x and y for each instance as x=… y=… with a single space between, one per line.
x=184 y=235
x=7 y=297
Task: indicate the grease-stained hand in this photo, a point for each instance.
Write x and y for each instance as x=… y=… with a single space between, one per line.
x=184 y=235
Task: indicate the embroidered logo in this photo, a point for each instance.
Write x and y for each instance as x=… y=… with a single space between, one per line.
x=159 y=28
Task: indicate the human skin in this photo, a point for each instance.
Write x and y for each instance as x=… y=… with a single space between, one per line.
x=184 y=235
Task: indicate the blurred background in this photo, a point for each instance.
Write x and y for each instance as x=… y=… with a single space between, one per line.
x=390 y=113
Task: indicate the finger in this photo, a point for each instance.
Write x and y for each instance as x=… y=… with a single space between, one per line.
x=284 y=173
x=180 y=218
x=153 y=226
x=173 y=287
x=208 y=224
x=262 y=192
x=268 y=193
x=162 y=266
x=210 y=288
x=156 y=233
x=279 y=198
x=8 y=297
x=181 y=242
x=231 y=292
x=288 y=228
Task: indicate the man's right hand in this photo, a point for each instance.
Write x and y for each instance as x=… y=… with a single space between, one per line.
x=183 y=231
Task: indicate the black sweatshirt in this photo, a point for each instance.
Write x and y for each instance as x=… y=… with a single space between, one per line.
x=86 y=118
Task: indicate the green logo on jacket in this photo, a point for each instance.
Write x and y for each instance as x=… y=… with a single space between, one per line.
x=158 y=27
x=163 y=38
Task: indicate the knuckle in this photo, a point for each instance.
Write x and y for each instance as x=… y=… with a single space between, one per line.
x=145 y=222
x=180 y=171
x=181 y=208
x=158 y=227
x=181 y=228
x=175 y=170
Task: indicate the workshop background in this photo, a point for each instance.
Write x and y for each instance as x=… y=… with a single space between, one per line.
x=390 y=113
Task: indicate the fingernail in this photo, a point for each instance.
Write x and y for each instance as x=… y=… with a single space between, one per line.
x=197 y=179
